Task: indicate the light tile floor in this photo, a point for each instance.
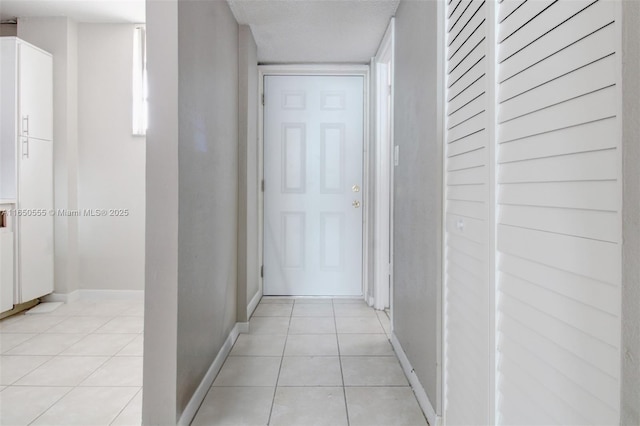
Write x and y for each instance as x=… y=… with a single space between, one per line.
x=305 y=362
x=312 y=362
x=78 y=365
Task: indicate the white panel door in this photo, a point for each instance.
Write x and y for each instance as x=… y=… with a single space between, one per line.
x=36 y=93
x=313 y=155
x=35 y=244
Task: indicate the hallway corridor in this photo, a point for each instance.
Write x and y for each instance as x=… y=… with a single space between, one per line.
x=312 y=362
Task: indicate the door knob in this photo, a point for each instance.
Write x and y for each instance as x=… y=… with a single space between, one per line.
x=356 y=204
x=355 y=188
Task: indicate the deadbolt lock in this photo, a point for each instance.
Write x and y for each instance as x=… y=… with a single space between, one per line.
x=355 y=188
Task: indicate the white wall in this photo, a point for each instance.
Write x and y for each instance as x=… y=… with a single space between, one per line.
x=248 y=262
x=630 y=401
x=417 y=184
x=208 y=187
x=59 y=36
x=111 y=161
x=161 y=288
x=192 y=187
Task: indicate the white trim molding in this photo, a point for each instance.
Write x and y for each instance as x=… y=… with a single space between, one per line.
x=322 y=70
x=418 y=390
x=96 y=295
x=383 y=170
x=253 y=304
x=201 y=392
x=62 y=297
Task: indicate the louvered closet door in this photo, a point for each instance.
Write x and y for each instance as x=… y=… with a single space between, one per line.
x=468 y=215
x=558 y=233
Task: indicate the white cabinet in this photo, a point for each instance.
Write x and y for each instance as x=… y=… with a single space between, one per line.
x=35 y=92
x=6 y=257
x=26 y=161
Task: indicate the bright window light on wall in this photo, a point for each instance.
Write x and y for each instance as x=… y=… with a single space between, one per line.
x=140 y=104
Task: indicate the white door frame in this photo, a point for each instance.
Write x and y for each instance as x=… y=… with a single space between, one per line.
x=383 y=228
x=317 y=70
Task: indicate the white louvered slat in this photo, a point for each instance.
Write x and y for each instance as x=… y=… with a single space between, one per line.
x=570 y=195
x=468 y=111
x=595 y=165
x=466 y=192
x=470 y=93
x=527 y=397
x=470 y=143
x=474 y=229
x=453 y=7
x=467 y=327
x=594 y=136
x=467 y=246
x=532 y=411
x=467 y=48
x=470 y=76
x=561 y=388
x=547 y=20
x=468 y=160
x=593 y=18
x=521 y=16
x=562 y=251
x=467 y=176
x=597 y=225
x=469 y=209
x=508 y=8
x=466 y=269
x=468 y=127
x=475 y=25
x=457 y=12
x=591 y=292
x=595 y=352
x=558 y=229
x=575 y=368
x=455 y=75
x=590 y=78
x=590 y=49
x=578 y=315
x=554 y=391
x=589 y=107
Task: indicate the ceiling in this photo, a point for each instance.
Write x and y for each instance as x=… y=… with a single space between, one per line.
x=286 y=31
x=315 y=30
x=103 y=11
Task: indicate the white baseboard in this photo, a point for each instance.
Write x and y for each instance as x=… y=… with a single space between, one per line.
x=418 y=390
x=198 y=396
x=253 y=304
x=243 y=328
x=371 y=301
x=96 y=295
x=62 y=297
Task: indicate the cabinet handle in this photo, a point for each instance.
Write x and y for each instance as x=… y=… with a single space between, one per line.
x=25 y=148
x=25 y=125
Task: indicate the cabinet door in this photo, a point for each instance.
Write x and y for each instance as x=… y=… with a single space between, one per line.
x=35 y=79
x=35 y=231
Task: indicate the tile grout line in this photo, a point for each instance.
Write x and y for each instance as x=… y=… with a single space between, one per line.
x=47 y=331
x=284 y=348
x=344 y=389
x=71 y=388
x=381 y=325
x=52 y=404
x=127 y=404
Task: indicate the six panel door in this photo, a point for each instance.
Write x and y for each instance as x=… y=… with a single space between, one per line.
x=313 y=152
